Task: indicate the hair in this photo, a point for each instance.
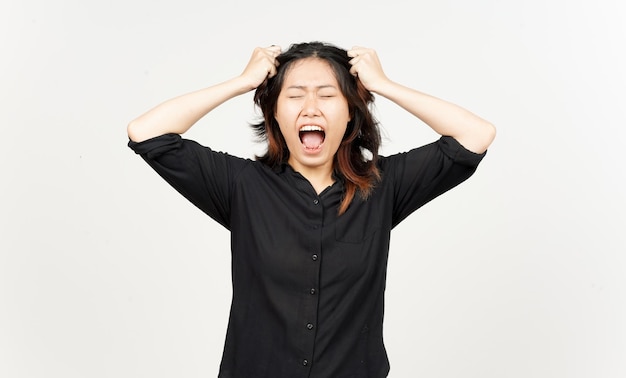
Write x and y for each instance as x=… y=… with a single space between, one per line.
x=362 y=137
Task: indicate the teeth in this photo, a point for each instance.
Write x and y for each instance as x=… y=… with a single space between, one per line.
x=311 y=128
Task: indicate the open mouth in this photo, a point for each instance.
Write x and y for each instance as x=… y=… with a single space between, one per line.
x=312 y=137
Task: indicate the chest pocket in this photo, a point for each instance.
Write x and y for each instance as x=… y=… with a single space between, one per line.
x=359 y=223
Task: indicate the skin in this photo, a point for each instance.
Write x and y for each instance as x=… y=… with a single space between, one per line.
x=311 y=96
x=445 y=118
x=179 y=114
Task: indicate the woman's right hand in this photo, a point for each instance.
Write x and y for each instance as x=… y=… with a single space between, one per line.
x=262 y=65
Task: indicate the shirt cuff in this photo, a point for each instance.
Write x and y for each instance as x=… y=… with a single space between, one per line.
x=461 y=155
x=155 y=147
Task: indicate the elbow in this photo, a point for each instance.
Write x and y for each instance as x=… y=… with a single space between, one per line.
x=140 y=130
x=479 y=138
x=487 y=135
x=133 y=131
x=490 y=134
x=130 y=130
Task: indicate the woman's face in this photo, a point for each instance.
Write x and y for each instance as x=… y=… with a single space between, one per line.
x=312 y=114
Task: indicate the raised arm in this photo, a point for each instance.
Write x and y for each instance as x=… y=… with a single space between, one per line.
x=473 y=132
x=180 y=113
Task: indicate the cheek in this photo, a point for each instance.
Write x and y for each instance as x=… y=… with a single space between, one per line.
x=339 y=110
x=288 y=107
x=340 y=133
x=287 y=132
x=280 y=116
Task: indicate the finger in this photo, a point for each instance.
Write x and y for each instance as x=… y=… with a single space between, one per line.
x=354 y=71
x=271 y=53
x=357 y=50
x=274 y=63
x=272 y=71
x=274 y=50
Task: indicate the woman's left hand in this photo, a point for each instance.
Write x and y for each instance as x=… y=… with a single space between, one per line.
x=366 y=66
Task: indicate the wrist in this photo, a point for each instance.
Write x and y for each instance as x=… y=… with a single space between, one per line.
x=239 y=85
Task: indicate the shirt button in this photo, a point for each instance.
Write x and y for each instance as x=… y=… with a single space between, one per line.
x=314 y=257
x=309 y=326
x=316 y=201
x=305 y=362
x=312 y=291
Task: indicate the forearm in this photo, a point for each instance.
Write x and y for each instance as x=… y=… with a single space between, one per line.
x=180 y=113
x=445 y=118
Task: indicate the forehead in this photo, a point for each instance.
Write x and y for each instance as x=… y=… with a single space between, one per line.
x=310 y=72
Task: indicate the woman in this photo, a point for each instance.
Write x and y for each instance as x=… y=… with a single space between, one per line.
x=310 y=220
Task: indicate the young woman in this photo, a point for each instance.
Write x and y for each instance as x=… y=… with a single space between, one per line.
x=310 y=220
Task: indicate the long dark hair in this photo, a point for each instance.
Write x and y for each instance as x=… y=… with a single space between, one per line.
x=351 y=163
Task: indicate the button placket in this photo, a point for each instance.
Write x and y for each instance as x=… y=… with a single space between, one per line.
x=311 y=290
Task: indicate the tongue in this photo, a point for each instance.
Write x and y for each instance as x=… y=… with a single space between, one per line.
x=312 y=139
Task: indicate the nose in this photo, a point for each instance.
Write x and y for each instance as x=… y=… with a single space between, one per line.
x=310 y=106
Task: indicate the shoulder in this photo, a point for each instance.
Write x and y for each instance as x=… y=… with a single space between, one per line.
x=175 y=144
x=445 y=147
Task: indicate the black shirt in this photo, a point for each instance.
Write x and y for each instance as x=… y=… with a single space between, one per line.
x=308 y=285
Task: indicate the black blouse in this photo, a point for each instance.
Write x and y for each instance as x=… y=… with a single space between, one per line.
x=308 y=285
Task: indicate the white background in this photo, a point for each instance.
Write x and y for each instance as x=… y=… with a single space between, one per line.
x=105 y=271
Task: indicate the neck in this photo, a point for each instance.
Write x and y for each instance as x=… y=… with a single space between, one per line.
x=320 y=184
x=319 y=177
